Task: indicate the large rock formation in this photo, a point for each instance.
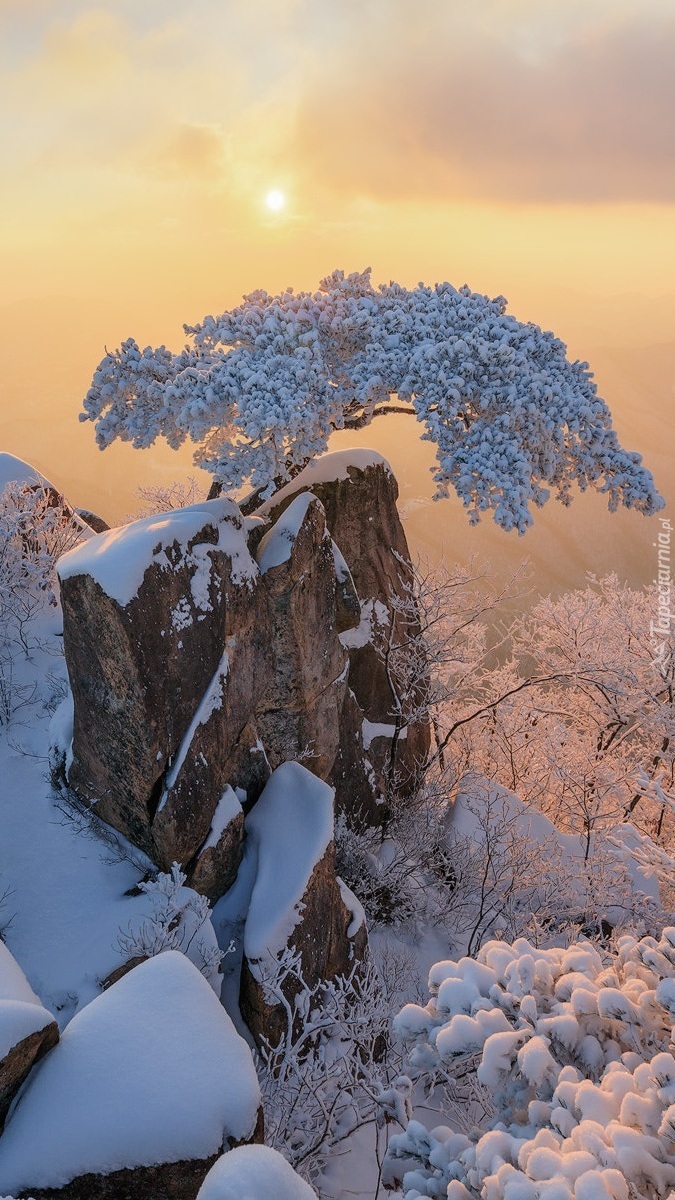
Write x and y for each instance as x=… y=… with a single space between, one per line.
x=299 y=913
x=302 y=697
x=148 y=1084
x=165 y=639
x=358 y=492
x=204 y=649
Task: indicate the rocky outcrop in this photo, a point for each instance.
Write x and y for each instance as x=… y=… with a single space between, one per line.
x=205 y=649
x=149 y=1082
x=165 y=637
x=301 y=700
x=299 y=929
x=358 y=492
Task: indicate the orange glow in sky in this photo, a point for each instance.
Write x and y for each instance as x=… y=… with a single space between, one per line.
x=159 y=160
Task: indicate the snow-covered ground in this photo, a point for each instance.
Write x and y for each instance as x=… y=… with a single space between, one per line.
x=74 y=904
x=68 y=894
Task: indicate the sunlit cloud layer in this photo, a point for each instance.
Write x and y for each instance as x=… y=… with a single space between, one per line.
x=538 y=101
x=531 y=109
x=149 y=135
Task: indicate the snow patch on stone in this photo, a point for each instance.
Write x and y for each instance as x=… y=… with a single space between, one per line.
x=354 y=906
x=119 y=558
x=291 y=827
x=277 y=544
x=227 y=809
x=210 y=702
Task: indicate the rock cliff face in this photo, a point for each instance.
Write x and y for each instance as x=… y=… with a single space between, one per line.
x=205 y=649
x=359 y=494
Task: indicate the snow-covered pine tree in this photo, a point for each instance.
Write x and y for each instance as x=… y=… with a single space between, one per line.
x=260 y=389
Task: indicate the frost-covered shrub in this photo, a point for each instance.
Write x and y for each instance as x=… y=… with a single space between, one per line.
x=36 y=527
x=334 y=1070
x=385 y=879
x=576 y=1052
x=180 y=919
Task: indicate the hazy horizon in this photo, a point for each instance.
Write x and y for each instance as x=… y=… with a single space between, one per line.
x=524 y=148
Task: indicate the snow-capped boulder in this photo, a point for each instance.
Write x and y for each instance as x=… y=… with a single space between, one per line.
x=148 y=1085
x=358 y=492
x=15 y=470
x=195 y=668
x=27 y=1030
x=298 y=908
x=256 y=1172
x=299 y=711
x=166 y=635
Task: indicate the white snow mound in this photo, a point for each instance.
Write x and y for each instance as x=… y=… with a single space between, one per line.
x=152 y=1071
x=291 y=827
x=21 y=1013
x=254 y=1173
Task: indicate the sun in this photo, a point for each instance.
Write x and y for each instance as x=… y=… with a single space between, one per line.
x=275 y=200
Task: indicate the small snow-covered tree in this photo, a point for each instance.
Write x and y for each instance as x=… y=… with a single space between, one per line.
x=36 y=527
x=334 y=1070
x=576 y=1052
x=261 y=388
x=591 y=741
x=180 y=919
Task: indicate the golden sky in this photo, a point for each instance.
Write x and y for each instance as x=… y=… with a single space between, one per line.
x=525 y=147
x=517 y=144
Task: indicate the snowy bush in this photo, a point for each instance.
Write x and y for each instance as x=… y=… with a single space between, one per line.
x=262 y=387
x=180 y=920
x=575 y=1051
x=389 y=882
x=36 y=527
x=589 y=736
x=335 y=1070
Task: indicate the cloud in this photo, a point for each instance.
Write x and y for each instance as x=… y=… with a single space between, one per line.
x=193 y=150
x=94 y=43
x=527 y=111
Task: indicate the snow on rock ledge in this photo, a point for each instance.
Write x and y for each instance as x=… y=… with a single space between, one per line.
x=119 y=558
x=147 y=1085
x=27 y=1030
x=296 y=900
x=254 y=1172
